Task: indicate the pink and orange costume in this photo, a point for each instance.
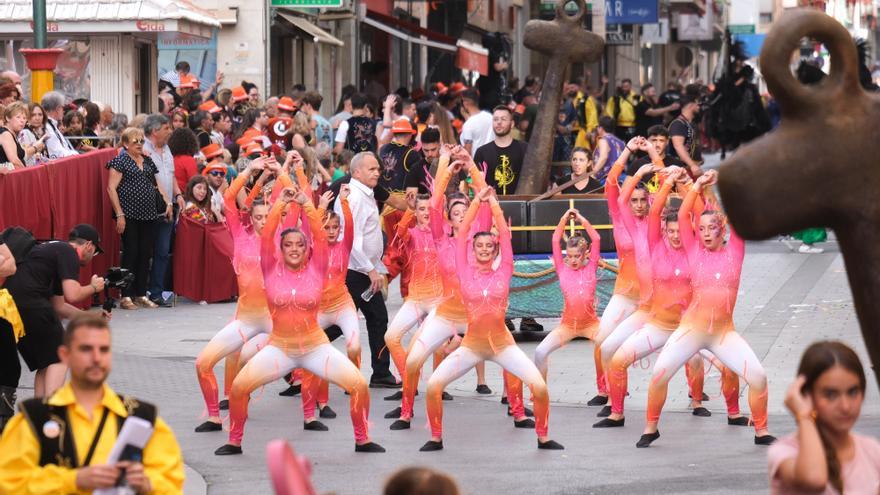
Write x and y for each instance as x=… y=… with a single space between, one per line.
x=485 y=296
x=708 y=321
x=251 y=315
x=624 y=301
x=578 y=292
x=297 y=340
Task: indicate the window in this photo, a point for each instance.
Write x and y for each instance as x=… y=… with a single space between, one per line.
x=491 y=10
x=766 y=17
x=511 y=17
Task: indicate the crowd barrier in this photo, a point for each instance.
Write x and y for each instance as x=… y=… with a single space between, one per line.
x=202 y=262
x=49 y=200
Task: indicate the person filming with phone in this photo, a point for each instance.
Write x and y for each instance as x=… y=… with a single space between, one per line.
x=62 y=444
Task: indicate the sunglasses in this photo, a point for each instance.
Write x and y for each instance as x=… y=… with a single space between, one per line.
x=137 y=141
x=217 y=173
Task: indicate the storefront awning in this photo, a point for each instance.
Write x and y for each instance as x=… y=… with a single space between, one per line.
x=395 y=27
x=124 y=16
x=318 y=35
x=472 y=57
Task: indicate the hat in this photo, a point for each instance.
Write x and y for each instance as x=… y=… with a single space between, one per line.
x=441 y=88
x=212 y=150
x=252 y=147
x=248 y=136
x=188 y=81
x=211 y=107
x=239 y=94
x=217 y=165
x=403 y=126
x=86 y=232
x=457 y=87
x=287 y=104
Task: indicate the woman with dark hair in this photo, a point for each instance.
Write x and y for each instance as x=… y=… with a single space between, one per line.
x=824 y=455
x=73 y=126
x=198 y=200
x=183 y=146
x=91 y=122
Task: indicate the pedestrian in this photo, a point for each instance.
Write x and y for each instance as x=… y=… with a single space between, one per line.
x=56 y=144
x=824 y=455
x=46 y=279
x=33 y=460
x=684 y=136
x=608 y=148
x=622 y=109
x=365 y=278
x=502 y=155
x=132 y=188
x=11 y=151
x=157 y=131
x=477 y=128
x=358 y=132
x=34 y=135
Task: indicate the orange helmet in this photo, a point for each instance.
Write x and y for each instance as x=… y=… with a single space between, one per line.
x=212 y=150
x=239 y=94
x=287 y=104
x=403 y=126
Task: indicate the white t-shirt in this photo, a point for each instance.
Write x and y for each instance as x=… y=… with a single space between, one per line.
x=341 y=132
x=477 y=130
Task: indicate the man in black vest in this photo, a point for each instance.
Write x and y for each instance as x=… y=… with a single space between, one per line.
x=62 y=444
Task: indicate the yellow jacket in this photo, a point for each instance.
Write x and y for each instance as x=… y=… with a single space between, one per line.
x=20 y=472
x=627 y=115
x=591 y=115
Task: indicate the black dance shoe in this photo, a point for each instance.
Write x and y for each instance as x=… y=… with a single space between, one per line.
x=228 y=450
x=326 y=413
x=740 y=421
x=765 y=440
x=605 y=412
x=550 y=445
x=400 y=425
x=446 y=396
x=315 y=426
x=291 y=391
x=393 y=414
x=599 y=400
x=224 y=405
x=483 y=389
x=371 y=448
x=209 y=426
x=525 y=423
x=701 y=412
x=610 y=423
x=647 y=439
x=431 y=446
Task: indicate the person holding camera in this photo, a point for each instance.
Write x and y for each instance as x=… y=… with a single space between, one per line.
x=44 y=287
x=62 y=444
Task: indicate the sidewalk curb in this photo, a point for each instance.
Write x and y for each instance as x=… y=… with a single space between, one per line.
x=194 y=483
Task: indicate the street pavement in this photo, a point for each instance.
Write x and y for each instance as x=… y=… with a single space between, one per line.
x=786 y=301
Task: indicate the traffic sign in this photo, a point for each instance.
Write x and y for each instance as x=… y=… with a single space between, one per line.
x=315 y=4
x=741 y=28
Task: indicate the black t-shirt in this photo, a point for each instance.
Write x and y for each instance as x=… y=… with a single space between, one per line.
x=417 y=175
x=681 y=127
x=668 y=98
x=380 y=193
x=593 y=186
x=396 y=161
x=503 y=165
x=635 y=165
x=39 y=276
x=361 y=134
x=529 y=115
x=18 y=149
x=645 y=121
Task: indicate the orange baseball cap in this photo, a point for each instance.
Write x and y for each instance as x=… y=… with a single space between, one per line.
x=248 y=137
x=188 y=81
x=441 y=88
x=403 y=126
x=457 y=87
x=239 y=94
x=212 y=150
x=287 y=104
x=210 y=106
x=253 y=147
x=215 y=165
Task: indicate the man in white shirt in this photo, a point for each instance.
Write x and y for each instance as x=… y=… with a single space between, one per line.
x=56 y=144
x=157 y=130
x=477 y=129
x=366 y=272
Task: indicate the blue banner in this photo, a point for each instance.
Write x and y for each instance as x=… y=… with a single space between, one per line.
x=631 y=11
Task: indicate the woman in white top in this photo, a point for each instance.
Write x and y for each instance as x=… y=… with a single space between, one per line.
x=34 y=132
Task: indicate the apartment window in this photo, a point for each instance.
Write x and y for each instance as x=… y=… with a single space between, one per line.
x=766 y=17
x=491 y=10
x=511 y=17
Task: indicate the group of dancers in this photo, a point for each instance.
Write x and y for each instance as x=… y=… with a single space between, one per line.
x=675 y=293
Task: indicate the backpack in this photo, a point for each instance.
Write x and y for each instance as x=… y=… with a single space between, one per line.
x=19 y=241
x=361 y=135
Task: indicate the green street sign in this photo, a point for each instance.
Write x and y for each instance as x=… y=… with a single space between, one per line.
x=315 y=4
x=741 y=28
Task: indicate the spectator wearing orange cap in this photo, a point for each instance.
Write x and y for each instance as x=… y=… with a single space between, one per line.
x=215 y=173
x=239 y=104
x=256 y=122
x=287 y=107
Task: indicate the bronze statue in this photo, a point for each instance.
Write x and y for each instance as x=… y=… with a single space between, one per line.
x=820 y=166
x=563 y=40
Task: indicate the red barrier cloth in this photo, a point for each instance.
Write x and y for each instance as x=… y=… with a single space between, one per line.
x=78 y=194
x=203 y=262
x=24 y=201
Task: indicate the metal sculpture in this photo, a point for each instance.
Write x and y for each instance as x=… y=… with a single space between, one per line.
x=563 y=41
x=820 y=166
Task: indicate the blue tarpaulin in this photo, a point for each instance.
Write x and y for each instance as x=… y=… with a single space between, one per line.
x=752 y=42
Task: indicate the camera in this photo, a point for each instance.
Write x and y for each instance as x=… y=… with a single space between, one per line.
x=118 y=278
